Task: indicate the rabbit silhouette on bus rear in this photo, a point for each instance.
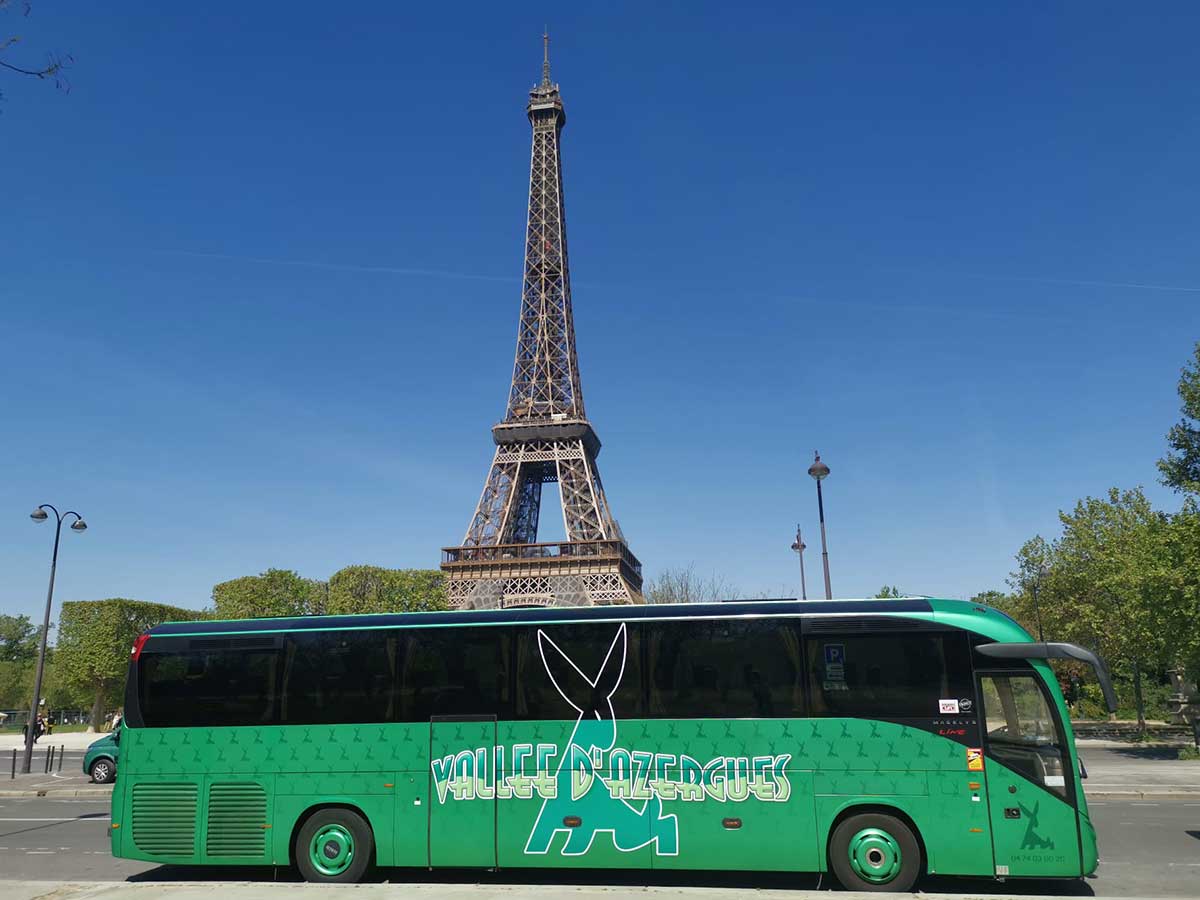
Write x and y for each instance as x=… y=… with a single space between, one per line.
x=583 y=817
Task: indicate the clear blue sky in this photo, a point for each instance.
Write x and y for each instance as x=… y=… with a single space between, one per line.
x=259 y=278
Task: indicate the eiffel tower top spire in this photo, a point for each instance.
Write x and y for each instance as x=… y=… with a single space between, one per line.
x=545 y=382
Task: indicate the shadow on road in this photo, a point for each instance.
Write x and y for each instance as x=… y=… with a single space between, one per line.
x=1142 y=751
x=742 y=881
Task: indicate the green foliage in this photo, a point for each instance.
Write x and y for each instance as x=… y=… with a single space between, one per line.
x=1154 y=697
x=373 y=589
x=1109 y=582
x=18 y=639
x=94 y=638
x=16 y=684
x=1189 y=753
x=1180 y=468
x=276 y=592
x=886 y=593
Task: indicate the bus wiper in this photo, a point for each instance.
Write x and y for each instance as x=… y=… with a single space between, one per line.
x=1050 y=650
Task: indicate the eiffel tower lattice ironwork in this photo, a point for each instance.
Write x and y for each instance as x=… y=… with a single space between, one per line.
x=545 y=436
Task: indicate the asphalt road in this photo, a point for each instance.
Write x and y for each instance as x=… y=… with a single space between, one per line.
x=1147 y=849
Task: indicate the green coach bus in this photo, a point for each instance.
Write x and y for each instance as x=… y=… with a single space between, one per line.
x=875 y=739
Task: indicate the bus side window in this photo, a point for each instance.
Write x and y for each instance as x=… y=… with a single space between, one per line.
x=713 y=669
x=887 y=676
x=455 y=671
x=335 y=677
x=587 y=645
x=232 y=685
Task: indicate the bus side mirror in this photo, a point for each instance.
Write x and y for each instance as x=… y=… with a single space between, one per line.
x=1082 y=768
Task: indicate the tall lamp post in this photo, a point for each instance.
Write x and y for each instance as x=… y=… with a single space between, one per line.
x=799 y=546
x=40 y=515
x=1037 y=609
x=819 y=471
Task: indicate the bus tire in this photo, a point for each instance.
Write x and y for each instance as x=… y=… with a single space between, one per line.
x=874 y=852
x=334 y=846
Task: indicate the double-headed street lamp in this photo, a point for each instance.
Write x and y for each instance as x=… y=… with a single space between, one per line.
x=40 y=515
x=819 y=471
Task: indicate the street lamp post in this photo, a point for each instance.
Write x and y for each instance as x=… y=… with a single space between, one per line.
x=799 y=546
x=40 y=515
x=819 y=471
x=1037 y=609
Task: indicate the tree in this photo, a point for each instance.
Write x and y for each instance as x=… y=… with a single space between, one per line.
x=372 y=589
x=685 y=586
x=887 y=593
x=1109 y=583
x=16 y=684
x=54 y=66
x=276 y=592
x=1180 y=468
x=18 y=639
x=94 y=638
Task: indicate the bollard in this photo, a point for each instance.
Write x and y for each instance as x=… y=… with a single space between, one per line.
x=53 y=753
x=46 y=766
x=61 y=750
x=14 y=767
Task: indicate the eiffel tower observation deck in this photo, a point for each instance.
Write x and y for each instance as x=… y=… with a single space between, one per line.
x=545 y=436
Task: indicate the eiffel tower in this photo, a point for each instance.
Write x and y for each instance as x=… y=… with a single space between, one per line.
x=545 y=436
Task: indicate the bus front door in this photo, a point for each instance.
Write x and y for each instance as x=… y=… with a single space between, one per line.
x=462 y=792
x=1035 y=829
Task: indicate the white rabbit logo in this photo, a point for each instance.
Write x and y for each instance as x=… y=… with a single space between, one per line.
x=584 y=816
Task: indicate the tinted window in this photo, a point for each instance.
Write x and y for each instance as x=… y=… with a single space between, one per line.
x=573 y=653
x=888 y=676
x=340 y=676
x=229 y=686
x=725 y=669
x=455 y=671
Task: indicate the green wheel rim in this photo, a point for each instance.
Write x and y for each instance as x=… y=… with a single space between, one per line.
x=331 y=850
x=875 y=855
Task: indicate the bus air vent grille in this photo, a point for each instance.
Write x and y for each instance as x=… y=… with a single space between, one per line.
x=164 y=818
x=237 y=812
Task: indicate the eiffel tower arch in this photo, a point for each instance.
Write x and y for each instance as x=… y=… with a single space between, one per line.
x=545 y=436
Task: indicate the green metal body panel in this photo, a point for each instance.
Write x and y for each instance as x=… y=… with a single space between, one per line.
x=786 y=780
x=670 y=794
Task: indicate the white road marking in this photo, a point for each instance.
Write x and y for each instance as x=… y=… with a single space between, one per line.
x=1143 y=804
x=39 y=852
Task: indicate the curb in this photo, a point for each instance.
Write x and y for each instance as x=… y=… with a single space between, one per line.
x=1178 y=794
x=55 y=792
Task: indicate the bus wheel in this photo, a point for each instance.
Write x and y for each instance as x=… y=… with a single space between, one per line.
x=334 y=845
x=874 y=852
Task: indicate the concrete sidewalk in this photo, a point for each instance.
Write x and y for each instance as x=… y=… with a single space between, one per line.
x=72 y=740
x=1128 y=771
x=61 y=890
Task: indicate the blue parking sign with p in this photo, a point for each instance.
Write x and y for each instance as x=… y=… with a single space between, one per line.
x=835 y=653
